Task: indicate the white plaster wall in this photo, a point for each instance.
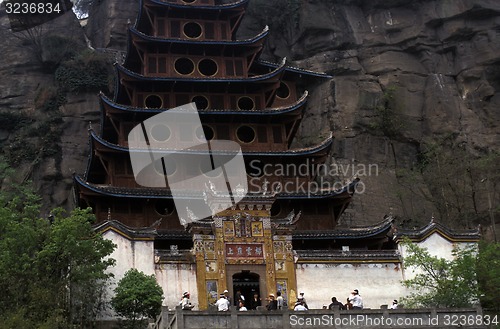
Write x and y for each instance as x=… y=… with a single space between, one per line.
x=437 y=246
x=127 y=254
x=175 y=279
x=378 y=283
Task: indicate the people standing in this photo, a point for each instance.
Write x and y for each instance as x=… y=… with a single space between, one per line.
x=394 y=305
x=356 y=300
x=303 y=299
x=239 y=297
x=299 y=306
x=279 y=301
x=241 y=306
x=185 y=303
x=272 y=304
x=335 y=305
x=255 y=301
x=222 y=303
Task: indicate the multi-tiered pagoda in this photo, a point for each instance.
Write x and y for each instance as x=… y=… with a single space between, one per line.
x=183 y=51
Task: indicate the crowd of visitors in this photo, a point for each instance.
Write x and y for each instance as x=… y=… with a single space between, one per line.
x=353 y=302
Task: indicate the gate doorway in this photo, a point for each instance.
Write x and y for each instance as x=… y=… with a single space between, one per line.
x=247 y=283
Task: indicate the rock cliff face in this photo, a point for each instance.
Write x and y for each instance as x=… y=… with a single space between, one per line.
x=405 y=74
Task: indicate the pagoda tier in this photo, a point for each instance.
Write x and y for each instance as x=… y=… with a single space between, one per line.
x=256 y=92
x=153 y=56
x=110 y=163
x=274 y=128
x=142 y=207
x=188 y=21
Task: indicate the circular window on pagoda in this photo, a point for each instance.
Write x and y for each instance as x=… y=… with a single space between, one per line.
x=245 y=103
x=201 y=102
x=153 y=102
x=160 y=132
x=165 y=166
x=207 y=170
x=275 y=209
x=245 y=134
x=184 y=66
x=192 y=30
x=283 y=91
x=164 y=207
x=208 y=67
x=188 y=1
x=205 y=133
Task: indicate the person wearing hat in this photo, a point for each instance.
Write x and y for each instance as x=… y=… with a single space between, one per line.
x=185 y=303
x=222 y=303
x=226 y=294
x=394 y=304
x=273 y=304
x=302 y=299
x=356 y=300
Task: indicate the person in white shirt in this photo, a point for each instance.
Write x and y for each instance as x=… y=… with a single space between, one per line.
x=222 y=303
x=394 y=305
x=242 y=306
x=185 y=303
x=356 y=300
x=279 y=301
x=299 y=306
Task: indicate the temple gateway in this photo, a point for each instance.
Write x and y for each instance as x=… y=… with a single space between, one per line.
x=283 y=235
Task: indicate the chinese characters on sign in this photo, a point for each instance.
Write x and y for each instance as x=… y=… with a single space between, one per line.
x=236 y=250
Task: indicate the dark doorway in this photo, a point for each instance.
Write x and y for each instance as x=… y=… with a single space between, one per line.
x=247 y=283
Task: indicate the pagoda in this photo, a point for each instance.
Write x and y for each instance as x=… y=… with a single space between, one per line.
x=186 y=51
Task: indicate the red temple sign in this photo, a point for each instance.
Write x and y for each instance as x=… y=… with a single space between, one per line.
x=244 y=250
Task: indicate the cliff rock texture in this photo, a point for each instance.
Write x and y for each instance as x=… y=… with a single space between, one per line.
x=413 y=99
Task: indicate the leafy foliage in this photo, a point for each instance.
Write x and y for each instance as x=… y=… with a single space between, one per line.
x=461 y=186
x=136 y=296
x=388 y=118
x=439 y=282
x=52 y=272
x=89 y=71
x=488 y=274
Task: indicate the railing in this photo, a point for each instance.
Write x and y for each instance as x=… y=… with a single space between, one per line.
x=352 y=319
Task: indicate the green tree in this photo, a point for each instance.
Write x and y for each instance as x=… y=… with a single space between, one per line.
x=438 y=282
x=137 y=296
x=52 y=270
x=488 y=275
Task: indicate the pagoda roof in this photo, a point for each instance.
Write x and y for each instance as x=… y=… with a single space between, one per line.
x=360 y=232
x=275 y=74
x=424 y=232
x=140 y=233
x=292 y=70
x=137 y=35
x=295 y=108
x=233 y=5
x=163 y=193
x=100 y=144
x=351 y=256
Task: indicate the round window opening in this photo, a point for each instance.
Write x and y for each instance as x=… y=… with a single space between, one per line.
x=205 y=133
x=160 y=132
x=188 y=1
x=165 y=166
x=245 y=103
x=184 y=66
x=201 y=102
x=165 y=207
x=153 y=102
x=207 y=67
x=275 y=209
x=283 y=91
x=207 y=170
x=192 y=30
x=245 y=134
